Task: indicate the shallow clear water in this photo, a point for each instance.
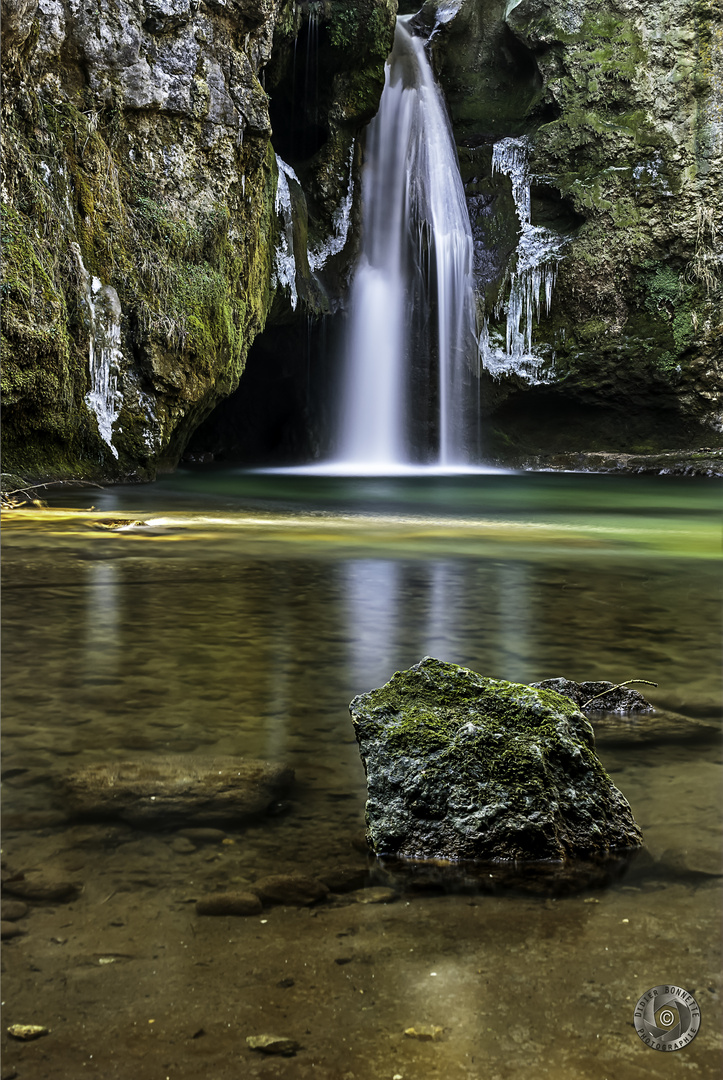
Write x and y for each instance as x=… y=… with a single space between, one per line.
x=238 y=614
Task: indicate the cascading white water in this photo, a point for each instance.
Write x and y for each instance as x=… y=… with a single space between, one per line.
x=415 y=267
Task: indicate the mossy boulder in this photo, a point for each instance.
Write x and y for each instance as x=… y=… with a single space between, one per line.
x=464 y=767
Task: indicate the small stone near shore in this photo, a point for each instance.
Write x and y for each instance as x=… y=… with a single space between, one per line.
x=231 y=903
x=178 y=790
x=425 y=1033
x=272 y=1044
x=294 y=889
x=27 y=1032
x=35 y=885
x=13 y=910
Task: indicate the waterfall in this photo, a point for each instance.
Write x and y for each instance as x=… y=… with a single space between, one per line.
x=412 y=311
x=538 y=253
x=104 y=315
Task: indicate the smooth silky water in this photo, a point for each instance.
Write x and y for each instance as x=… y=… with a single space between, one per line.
x=233 y=613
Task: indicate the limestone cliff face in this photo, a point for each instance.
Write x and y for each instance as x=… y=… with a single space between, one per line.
x=617 y=109
x=141 y=218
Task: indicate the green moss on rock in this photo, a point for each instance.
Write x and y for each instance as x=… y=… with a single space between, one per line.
x=460 y=766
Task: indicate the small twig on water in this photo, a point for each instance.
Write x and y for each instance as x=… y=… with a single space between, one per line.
x=618 y=687
x=8 y=502
x=51 y=483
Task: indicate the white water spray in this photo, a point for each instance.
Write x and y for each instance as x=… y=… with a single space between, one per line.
x=415 y=267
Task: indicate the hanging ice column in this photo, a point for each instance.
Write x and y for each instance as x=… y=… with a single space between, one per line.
x=416 y=262
x=285 y=262
x=539 y=251
x=104 y=315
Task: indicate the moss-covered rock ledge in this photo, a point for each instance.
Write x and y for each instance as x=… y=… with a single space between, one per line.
x=139 y=221
x=619 y=108
x=464 y=767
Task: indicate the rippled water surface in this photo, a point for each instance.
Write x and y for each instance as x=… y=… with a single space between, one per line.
x=229 y=613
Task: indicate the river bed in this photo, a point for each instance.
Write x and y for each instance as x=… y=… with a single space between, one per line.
x=222 y=612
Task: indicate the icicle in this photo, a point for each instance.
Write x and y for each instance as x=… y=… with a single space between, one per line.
x=340 y=224
x=538 y=254
x=104 y=314
x=285 y=262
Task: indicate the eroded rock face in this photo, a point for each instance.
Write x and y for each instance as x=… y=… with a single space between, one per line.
x=463 y=767
x=178 y=790
x=138 y=164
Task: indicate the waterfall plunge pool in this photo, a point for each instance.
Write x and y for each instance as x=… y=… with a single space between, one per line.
x=240 y=618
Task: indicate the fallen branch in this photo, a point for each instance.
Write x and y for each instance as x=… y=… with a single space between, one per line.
x=618 y=687
x=8 y=502
x=51 y=483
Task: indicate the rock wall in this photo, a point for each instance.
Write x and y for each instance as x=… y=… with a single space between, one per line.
x=141 y=216
x=179 y=174
x=618 y=108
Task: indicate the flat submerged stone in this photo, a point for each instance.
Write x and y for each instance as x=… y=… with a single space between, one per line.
x=463 y=767
x=157 y=792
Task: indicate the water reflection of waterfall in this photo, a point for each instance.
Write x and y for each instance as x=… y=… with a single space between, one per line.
x=372 y=591
x=446 y=591
x=412 y=318
x=397 y=612
x=102 y=638
x=514 y=617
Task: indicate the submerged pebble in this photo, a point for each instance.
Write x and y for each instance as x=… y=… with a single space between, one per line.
x=26 y=1032
x=290 y=889
x=37 y=886
x=272 y=1044
x=10 y=930
x=376 y=894
x=13 y=909
x=230 y=903
x=203 y=836
x=426 y=1033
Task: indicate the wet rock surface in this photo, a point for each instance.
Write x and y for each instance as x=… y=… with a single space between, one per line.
x=159 y=792
x=463 y=767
